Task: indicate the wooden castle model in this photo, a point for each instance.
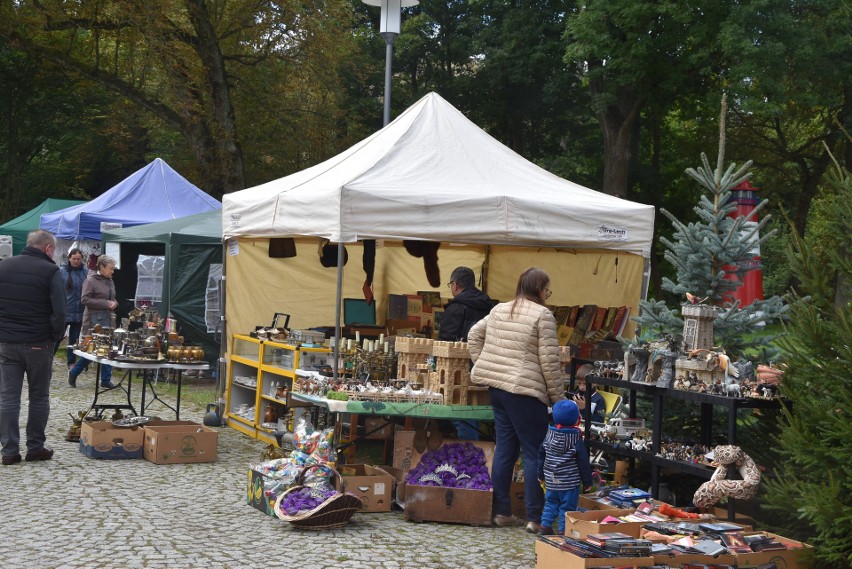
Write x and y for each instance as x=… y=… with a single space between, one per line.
x=451 y=377
x=411 y=352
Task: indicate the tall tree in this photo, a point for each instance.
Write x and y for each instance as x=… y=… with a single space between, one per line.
x=811 y=494
x=178 y=59
x=789 y=76
x=632 y=55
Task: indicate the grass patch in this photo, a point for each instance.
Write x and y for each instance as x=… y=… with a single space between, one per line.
x=198 y=392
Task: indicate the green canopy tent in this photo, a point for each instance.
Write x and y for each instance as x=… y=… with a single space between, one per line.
x=190 y=245
x=19 y=227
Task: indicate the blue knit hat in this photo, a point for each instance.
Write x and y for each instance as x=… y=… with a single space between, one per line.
x=566 y=413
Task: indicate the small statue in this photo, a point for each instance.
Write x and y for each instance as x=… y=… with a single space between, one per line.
x=642 y=355
x=73 y=435
x=667 y=375
x=271 y=452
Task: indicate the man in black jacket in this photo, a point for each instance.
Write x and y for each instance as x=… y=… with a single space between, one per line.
x=468 y=306
x=32 y=320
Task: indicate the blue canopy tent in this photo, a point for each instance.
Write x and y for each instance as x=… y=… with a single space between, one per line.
x=19 y=227
x=153 y=193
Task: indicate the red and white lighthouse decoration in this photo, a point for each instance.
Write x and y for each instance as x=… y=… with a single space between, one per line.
x=744 y=195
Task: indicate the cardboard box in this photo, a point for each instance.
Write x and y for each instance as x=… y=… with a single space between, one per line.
x=398 y=484
x=699 y=559
x=101 y=439
x=436 y=503
x=177 y=444
x=549 y=556
x=372 y=485
x=382 y=427
x=580 y=524
x=519 y=505
x=799 y=556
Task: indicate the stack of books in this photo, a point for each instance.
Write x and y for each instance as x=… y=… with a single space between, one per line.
x=582 y=548
x=629 y=547
x=601 y=539
x=761 y=542
x=628 y=497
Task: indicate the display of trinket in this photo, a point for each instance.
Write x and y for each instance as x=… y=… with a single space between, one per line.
x=683 y=452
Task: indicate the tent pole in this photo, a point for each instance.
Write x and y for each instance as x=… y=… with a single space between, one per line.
x=222 y=362
x=338 y=297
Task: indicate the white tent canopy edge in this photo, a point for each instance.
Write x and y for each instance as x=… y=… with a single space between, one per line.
x=433 y=175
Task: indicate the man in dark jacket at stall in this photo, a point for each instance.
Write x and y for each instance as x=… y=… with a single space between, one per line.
x=468 y=306
x=32 y=320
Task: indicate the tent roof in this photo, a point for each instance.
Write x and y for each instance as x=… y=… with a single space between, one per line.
x=434 y=175
x=153 y=193
x=20 y=226
x=201 y=228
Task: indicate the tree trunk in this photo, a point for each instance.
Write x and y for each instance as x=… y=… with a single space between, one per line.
x=619 y=125
x=811 y=176
x=220 y=154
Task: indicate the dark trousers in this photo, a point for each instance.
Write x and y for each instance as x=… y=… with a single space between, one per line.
x=73 y=337
x=520 y=424
x=36 y=362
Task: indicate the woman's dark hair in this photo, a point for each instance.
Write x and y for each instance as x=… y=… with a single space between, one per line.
x=69 y=284
x=530 y=284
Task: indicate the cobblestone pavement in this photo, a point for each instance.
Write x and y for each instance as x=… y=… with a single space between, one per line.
x=76 y=512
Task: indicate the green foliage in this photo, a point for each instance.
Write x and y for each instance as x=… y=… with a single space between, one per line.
x=812 y=493
x=710 y=257
x=776 y=263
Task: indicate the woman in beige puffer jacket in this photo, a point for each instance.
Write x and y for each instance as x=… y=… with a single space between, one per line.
x=516 y=355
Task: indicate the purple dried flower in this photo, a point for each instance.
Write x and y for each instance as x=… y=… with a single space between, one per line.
x=304 y=499
x=457 y=465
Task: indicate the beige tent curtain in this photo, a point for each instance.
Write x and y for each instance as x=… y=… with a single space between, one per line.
x=258 y=286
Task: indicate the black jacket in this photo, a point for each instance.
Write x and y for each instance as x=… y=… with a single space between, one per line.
x=462 y=312
x=32 y=300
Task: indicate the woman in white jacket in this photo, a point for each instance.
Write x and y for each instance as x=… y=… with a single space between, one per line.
x=516 y=355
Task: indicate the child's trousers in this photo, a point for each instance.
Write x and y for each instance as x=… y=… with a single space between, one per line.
x=556 y=503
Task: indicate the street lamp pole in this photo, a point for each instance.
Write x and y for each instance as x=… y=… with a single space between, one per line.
x=389 y=29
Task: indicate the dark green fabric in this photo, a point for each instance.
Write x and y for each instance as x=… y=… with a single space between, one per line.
x=192 y=244
x=20 y=227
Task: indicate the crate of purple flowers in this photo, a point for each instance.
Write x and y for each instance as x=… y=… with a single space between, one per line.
x=451 y=484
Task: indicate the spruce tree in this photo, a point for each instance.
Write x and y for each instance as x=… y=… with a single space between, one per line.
x=811 y=492
x=711 y=257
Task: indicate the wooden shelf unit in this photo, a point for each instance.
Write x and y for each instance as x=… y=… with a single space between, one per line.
x=267 y=363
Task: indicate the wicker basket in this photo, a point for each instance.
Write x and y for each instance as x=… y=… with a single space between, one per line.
x=335 y=512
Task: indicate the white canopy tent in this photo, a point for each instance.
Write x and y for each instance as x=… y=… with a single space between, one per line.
x=430 y=175
x=433 y=175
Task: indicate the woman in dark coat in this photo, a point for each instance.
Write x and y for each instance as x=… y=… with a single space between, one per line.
x=99 y=301
x=73 y=275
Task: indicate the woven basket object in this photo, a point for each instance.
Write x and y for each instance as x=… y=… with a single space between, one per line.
x=334 y=512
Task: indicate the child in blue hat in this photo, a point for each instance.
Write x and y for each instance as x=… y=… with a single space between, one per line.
x=563 y=464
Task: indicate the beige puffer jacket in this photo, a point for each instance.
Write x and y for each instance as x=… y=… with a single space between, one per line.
x=518 y=353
